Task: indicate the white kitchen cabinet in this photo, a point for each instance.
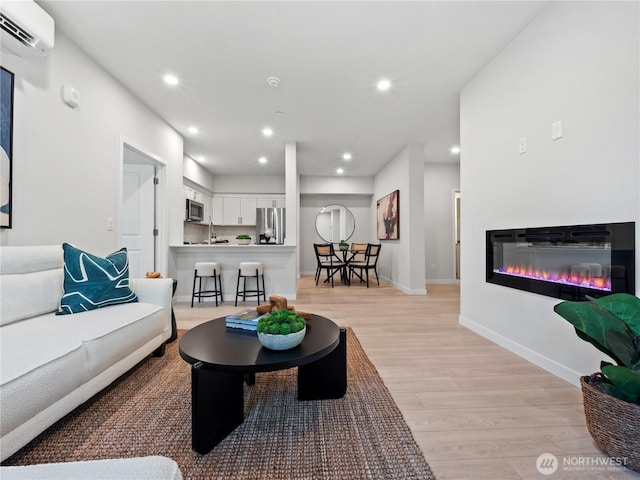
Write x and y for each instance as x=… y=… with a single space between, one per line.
x=205 y=199
x=232 y=214
x=217 y=210
x=234 y=210
x=189 y=193
x=271 y=202
x=247 y=211
x=193 y=194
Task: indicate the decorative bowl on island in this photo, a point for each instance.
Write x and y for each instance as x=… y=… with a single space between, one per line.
x=243 y=239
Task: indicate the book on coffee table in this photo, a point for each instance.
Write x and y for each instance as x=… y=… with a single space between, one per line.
x=246 y=320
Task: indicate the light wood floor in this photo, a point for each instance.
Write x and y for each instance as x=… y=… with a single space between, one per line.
x=476 y=410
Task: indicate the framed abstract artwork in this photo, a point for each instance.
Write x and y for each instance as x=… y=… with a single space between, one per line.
x=388 y=216
x=6 y=139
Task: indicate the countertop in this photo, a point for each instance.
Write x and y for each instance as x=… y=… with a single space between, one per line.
x=263 y=246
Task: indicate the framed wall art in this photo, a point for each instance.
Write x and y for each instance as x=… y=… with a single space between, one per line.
x=388 y=216
x=6 y=139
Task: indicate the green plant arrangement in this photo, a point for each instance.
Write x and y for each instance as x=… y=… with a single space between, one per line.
x=343 y=245
x=243 y=239
x=612 y=325
x=611 y=398
x=281 y=322
x=281 y=330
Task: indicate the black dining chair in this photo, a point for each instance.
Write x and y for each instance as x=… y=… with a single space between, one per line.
x=329 y=261
x=369 y=262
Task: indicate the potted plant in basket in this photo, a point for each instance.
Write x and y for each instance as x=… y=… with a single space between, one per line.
x=612 y=396
x=343 y=245
x=281 y=330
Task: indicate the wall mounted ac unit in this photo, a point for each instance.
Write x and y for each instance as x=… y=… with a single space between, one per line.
x=25 y=28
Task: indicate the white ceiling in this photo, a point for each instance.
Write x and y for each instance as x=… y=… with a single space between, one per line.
x=328 y=55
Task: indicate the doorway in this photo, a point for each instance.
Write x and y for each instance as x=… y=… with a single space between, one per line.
x=456 y=213
x=139 y=214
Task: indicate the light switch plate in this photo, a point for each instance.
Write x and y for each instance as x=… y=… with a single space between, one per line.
x=522 y=145
x=556 y=130
x=70 y=96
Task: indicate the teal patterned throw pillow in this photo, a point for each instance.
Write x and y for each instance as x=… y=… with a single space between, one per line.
x=92 y=282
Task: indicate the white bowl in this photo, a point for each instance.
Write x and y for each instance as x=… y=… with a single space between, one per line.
x=282 y=342
x=243 y=241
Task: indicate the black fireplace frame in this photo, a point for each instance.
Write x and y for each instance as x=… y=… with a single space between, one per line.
x=620 y=235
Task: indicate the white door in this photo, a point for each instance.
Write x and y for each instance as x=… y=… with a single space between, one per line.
x=138 y=217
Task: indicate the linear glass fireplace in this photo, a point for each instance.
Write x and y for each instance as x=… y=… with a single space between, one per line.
x=567 y=262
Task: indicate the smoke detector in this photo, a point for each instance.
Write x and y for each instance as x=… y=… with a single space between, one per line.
x=273 y=82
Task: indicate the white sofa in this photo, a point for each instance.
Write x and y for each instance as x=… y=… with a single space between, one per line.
x=50 y=364
x=139 y=468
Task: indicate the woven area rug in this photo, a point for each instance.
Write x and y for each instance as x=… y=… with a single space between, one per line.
x=148 y=412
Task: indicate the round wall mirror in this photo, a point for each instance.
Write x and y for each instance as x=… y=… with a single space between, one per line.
x=335 y=223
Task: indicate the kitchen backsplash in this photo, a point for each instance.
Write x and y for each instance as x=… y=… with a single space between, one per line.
x=196 y=233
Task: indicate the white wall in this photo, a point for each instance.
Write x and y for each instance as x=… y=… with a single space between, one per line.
x=355 y=193
x=310 y=205
x=66 y=162
x=197 y=174
x=321 y=185
x=576 y=62
x=401 y=261
x=249 y=184
x=441 y=180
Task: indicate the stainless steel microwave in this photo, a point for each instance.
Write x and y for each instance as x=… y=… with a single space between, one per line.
x=195 y=211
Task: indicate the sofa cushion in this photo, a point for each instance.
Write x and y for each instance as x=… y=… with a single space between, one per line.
x=26 y=295
x=143 y=468
x=113 y=333
x=31 y=282
x=66 y=351
x=39 y=364
x=92 y=282
x=32 y=258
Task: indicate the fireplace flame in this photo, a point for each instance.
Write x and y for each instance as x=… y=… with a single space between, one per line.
x=567 y=278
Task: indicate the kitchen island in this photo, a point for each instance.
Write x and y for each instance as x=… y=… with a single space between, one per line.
x=279 y=262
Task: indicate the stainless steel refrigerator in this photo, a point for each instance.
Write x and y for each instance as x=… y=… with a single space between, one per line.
x=270 y=225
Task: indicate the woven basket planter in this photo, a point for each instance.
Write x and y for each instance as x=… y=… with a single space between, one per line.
x=614 y=424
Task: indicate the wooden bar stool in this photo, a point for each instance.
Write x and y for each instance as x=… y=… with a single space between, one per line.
x=207 y=270
x=250 y=270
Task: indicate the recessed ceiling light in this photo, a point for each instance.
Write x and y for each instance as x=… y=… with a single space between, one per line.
x=346 y=156
x=267 y=132
x=171 y=79
x=383 y=85
x=262 y=159
x=193 y=130
x=455 y=149
x=340 y=171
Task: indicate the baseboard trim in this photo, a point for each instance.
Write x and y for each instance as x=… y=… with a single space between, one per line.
x=408 y=291
x=232 y=297
x=551 y=366
x=372 y=278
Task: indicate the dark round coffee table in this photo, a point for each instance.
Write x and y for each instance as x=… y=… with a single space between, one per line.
x=223 y=358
